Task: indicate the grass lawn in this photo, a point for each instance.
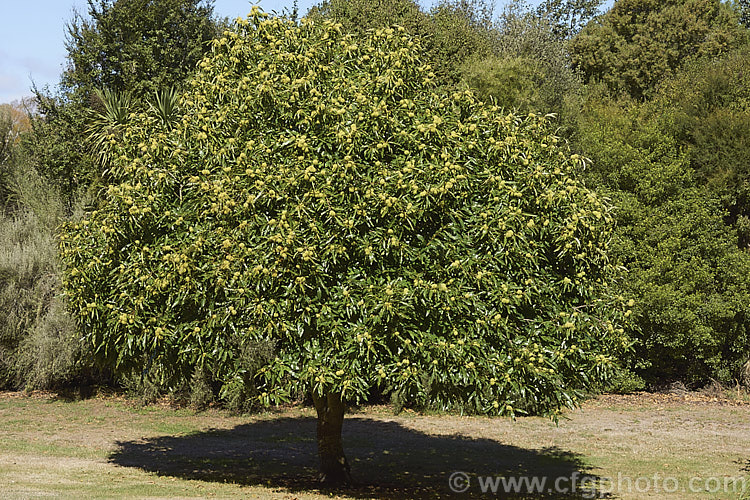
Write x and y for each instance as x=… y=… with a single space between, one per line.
x=630 y=447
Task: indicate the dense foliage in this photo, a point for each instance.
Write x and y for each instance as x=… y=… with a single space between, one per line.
x=530 y=68
x=39 y=347
x=137 y=47
x=46 y=167
x=520 y=60
x=662 y=112
x=56 y=146
x=678 y=228
x=141 y=46
x=320 y=196
x=568 y=17
x=707 y=109
x=639 y=42
x=451 y=33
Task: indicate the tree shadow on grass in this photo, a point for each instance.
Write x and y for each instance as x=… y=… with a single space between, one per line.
x=388 y=460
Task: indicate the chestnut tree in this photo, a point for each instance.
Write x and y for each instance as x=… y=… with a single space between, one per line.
x=322 y=196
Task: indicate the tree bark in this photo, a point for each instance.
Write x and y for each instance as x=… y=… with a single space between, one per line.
x=334 y=468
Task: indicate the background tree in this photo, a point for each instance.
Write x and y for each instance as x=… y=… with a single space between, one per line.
x=463 y=30
x=530 y=68
x=568 y=17
x=133 y=47
x=56 y=147
x=637 y=43
x=706 y=108
x=7 y=142
x=14 y=122
x=323 y=197
x=451 y=32
x=674 y=233
x=138 y=46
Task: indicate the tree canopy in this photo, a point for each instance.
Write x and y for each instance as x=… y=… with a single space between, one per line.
x=451 y=33
x=140 y=46
x=568 y=17
x=322 y=197
x=637 y=43
x=132 y=48
x=676 y=168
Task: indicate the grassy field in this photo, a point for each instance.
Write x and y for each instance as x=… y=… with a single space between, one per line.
x=630 y=447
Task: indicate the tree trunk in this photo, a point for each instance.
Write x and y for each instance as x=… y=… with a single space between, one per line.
x=334 y=469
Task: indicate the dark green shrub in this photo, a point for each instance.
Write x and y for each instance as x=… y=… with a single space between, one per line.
x=138 y=46
x=638 y=43
x=57 y=149
x=690 y=281
x=706 y=107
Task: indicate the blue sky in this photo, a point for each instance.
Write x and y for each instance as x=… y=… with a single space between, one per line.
x=32 y=36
